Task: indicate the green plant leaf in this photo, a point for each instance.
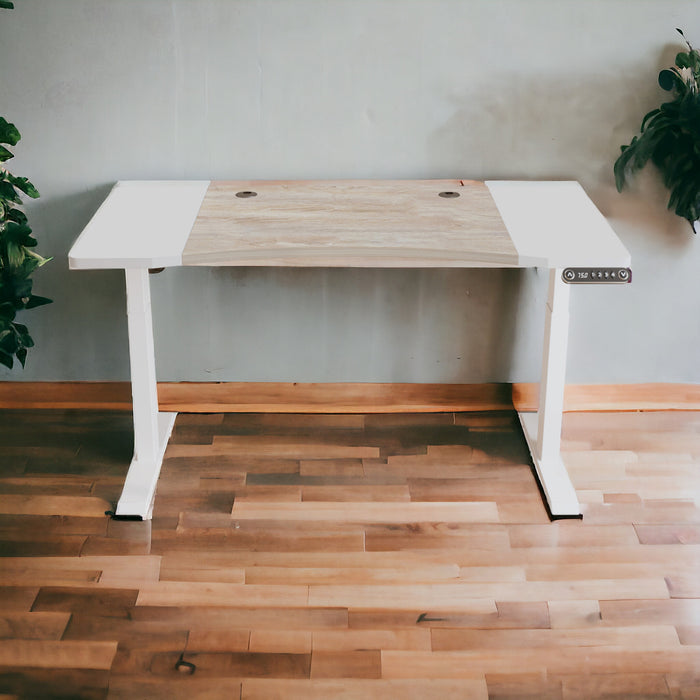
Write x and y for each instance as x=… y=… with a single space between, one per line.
x=15 y=254
x=20 y=234
x=8 y=193
x=7 y=312
x=669 y=79
x=22 y=356
x=6 y=5
x=23 y=184
x=683 y=59
x=23 y=290
x=16 y=215
x=35 y=301
x=6 y=359
x=9 y=342
x=5 y=154
x=9 y=133
x=29 y=264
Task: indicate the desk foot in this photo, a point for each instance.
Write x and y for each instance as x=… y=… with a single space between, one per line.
x=558 y=490
x=140 y=485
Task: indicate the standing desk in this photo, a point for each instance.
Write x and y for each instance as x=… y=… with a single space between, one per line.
x=350 y=223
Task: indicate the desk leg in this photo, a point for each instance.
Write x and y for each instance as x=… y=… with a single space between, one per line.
x=151 y=428
x=543 y=429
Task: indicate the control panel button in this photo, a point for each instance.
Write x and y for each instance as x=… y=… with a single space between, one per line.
x=597 y=275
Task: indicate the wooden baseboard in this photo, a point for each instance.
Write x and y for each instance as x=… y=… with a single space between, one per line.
x=615 y=397
x=263 y=397
x=66 y=395
x=280 y=397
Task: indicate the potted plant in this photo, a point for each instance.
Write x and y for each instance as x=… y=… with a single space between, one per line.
x=18 y=260
x=670 y=138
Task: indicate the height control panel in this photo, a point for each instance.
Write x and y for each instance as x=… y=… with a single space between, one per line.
x=597 y=275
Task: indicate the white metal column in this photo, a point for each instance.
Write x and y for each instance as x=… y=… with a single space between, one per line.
x=151 y=429
x=543 y=429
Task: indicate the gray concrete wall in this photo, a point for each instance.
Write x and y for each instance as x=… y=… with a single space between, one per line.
x=104 y=90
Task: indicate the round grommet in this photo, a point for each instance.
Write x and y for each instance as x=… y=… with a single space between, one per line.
x=448 y=195
x=185 y=667
x=245 y=194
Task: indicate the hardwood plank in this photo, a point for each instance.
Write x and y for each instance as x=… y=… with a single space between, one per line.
x=448 y=594
x=506 y=616
x=587 y=660
x=492 y=573
x=82 y=506
x=358 y=639
x=644 y=686
x=408 y=597
x=62 y=485
x=212 y=574
x=111 y=568
x=109 y=546
x=564 y=572
x=40 y=653
x=673 y=611
x=131 y=687
x=17 y=598
x=254 y=447
x=263 y=665
x=216 y=664
x=204 y=639
x=185 y=593
x=343 y=575
x=56 y=577
x=33 y=625
x=103 y=601
x=133 y=635
x=668 y=533
x=363 y=689
x=685 y=584
x=519 y=686
x=683 y=685
x=358 y=493
x=462 y=463
x=332 y=467
x=412 y=536
x=572 y=534
x=346 y=664
x=234 y=617
x=31 y=527
x=638 y=637
x=644 y=513
x=87 y=684
x=514 y=486
x=270 y=539
x=388 y=512
x=281 y=641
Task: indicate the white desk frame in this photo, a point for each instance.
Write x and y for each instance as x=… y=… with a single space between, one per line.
x=144 y=225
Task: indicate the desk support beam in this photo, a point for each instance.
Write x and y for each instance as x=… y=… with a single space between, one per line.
x=543 y=429
x=151 y=428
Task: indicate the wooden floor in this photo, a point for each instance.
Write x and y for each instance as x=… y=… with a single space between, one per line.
x=317 y=557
